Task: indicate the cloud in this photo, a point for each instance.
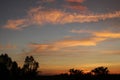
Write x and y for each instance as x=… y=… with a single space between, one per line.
x=7 y=46
x=16 y=24
x=42 y=47
x=81 y=42
x=80 y=31
x=102 y=34
x=76 y=7
x=41 y=16
x=107 y=34
x=63 y=44
x=111 y=52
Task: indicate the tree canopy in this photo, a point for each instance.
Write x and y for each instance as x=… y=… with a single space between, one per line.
x=11 y=70
x=100 y=71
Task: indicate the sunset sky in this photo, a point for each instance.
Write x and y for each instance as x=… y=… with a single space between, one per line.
x=62 y=34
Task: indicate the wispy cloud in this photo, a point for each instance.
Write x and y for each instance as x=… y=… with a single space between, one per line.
x=16 y=24
x=111 y=52
x=102 y=34
x=42 y=47
x=41 y=15
x=107 y=34
x=7 y=46
x=82 y=42
x=62 y=44
x=61 y=17
x=80 y=31
x=76 y=7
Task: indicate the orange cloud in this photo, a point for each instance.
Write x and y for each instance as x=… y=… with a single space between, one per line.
x=59 y=45
x=8 y=46
x=111 y=52
x=42 y=47
x=82 y=42
x=40 y=16
x=76 y=7
x=102 y=34
x=93 y=65
x=107 y=34
x=15 y=24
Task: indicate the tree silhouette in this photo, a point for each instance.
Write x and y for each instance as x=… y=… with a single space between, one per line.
x=4 y=59
x=75 y=72
x=100 y=71
x=8 y=68
x=30 y=66
x=15 y=70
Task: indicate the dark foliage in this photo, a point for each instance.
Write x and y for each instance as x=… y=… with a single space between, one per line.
x=9 y=70
x=100 y=71
x=29 y=69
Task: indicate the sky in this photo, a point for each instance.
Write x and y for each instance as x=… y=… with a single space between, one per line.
x=62 y=34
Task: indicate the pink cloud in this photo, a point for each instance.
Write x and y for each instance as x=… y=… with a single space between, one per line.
x=40 y=16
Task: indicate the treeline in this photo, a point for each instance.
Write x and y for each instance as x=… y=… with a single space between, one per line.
x=9 y=70
x=99 y=73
